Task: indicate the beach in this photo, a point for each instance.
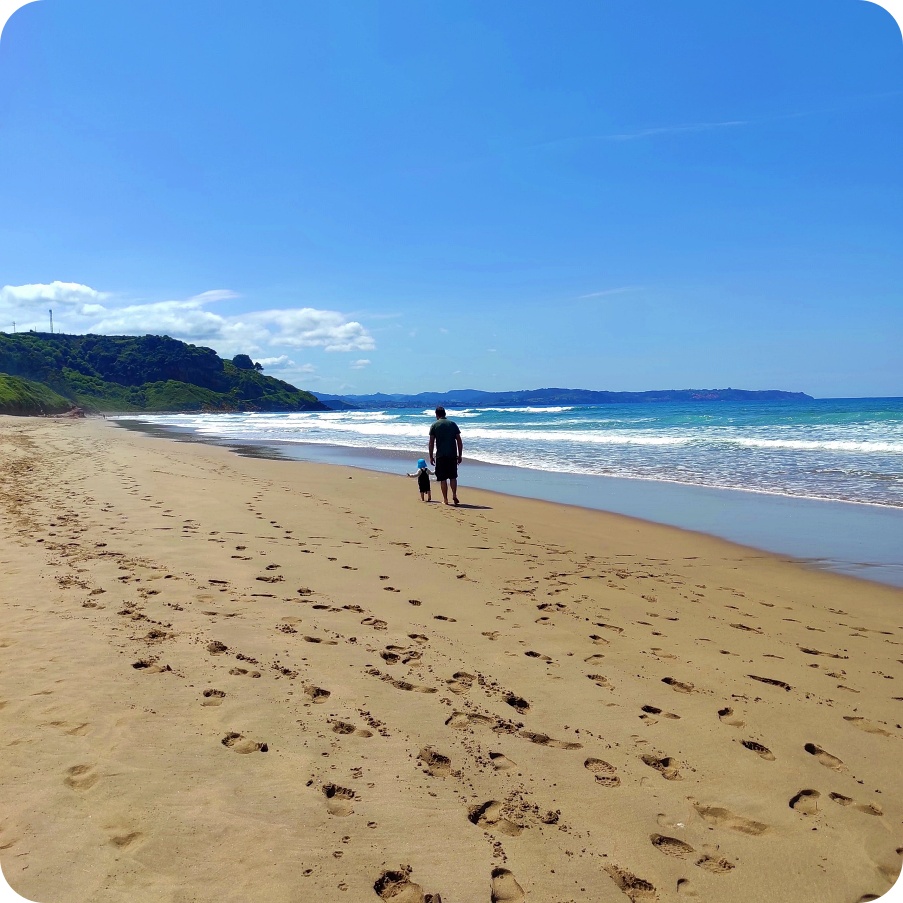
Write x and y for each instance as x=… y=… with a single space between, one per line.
x=231 y=678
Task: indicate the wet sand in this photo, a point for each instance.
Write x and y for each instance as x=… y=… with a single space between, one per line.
x=227 y=678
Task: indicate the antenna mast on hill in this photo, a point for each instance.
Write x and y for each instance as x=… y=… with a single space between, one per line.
x=51 y=322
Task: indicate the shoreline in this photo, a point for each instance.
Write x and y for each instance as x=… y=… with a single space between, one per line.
x=226 y=678
x=850 y=538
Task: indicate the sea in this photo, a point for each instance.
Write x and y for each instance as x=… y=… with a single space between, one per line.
x=820 y=480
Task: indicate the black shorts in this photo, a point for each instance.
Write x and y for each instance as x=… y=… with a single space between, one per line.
x=447 y=467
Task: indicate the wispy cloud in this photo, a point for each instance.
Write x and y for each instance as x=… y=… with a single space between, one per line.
x=689 y=128
x=611 y=291
x=359 y=365
x=672 y=130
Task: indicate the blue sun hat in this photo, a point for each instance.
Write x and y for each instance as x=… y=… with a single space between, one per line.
x=421 y=464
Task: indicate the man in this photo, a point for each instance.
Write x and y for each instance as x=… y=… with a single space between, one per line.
x=445 y=453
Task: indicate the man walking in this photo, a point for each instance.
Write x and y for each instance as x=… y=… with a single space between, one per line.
x=445 y=453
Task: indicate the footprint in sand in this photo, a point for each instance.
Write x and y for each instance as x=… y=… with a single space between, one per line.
x=489 y=815
x=338 y=799
x=825 y=758
x=316 y=639
x=724 y=818
x=240 y=672
x=611 y=627
x=464 y=720
x=80 y=777
x=660 y=653
x=599 y=640
x=671 y=846
x=727 y=716
x=746 y=627
x=501 y=762
x=400 y=684
x=868 y=808
x=375 y=623
x=717 y=865
x=518 y=703
x=392 y=655
x=637 y=889
x=819 y=652
x=603 y=772
x=240 y=744
x=460 y=682
x=317 y=694
x=655 y=710
x=666 y=766
x=213 y=697
x=771 y=681
x=156 y=635
x=398 y=887
x=125 y=840
x=805 y=802
x=530 y=653
x=546 y=740
x=504 y=887
x=677 y=685
x=868 y=726
x=763 y=752
x=343 y=727
x=150 y=665
x=436 y=764
x=600 y=681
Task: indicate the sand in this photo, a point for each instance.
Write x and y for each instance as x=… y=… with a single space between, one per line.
x=233 y=679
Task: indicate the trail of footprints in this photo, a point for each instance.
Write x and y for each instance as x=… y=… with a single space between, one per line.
x=807 y=803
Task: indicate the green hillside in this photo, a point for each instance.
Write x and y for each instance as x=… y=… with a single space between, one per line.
x=138 y=373
x=22 y=396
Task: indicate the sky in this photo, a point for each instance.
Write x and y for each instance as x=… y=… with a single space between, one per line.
x=408 y=195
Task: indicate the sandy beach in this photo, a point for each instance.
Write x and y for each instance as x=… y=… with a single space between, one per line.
x=232 y=679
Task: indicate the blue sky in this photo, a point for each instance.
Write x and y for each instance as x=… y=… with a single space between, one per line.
x=419 y=196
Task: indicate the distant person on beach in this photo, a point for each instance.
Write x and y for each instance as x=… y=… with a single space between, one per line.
x=445 y=453
x=423 y=480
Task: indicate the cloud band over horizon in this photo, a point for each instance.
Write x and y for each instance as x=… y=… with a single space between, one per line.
x=82 y=309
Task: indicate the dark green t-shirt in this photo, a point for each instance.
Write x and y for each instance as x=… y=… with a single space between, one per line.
x=445 y=432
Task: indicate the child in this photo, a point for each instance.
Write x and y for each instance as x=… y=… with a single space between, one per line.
x=423 y=480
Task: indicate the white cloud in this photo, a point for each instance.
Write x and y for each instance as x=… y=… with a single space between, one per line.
x=78 y=309
x=307 y=327
x=283 y=362
x=36 y=295
x=359 y=365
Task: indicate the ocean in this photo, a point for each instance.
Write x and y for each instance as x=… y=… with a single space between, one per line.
x=833 y=454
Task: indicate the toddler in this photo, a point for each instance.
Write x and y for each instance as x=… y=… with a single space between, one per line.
x=423 y=480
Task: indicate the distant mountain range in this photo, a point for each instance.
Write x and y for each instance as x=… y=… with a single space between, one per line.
x=544 y=397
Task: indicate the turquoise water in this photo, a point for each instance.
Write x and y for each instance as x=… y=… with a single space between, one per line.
x=848 y=450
